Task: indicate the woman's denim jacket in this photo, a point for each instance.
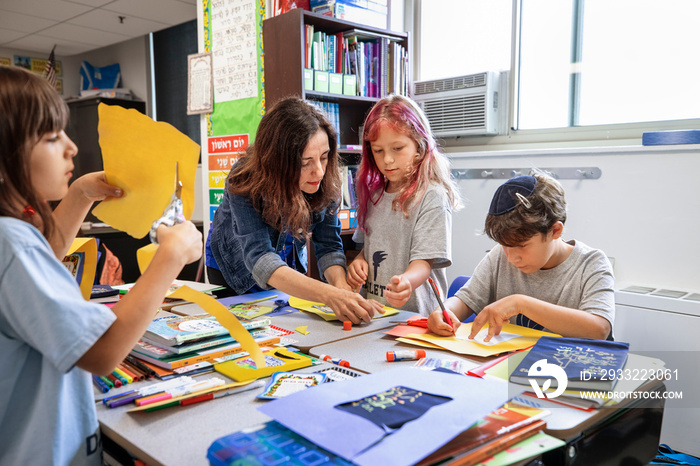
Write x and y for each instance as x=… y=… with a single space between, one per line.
x=246 y=249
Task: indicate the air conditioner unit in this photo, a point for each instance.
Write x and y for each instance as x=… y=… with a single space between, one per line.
x=469 y=105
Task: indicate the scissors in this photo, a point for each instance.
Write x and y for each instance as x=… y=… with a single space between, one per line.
x=173 y=213
x=415 y=322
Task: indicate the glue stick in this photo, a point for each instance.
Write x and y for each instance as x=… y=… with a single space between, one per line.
x=404 y=354
x=337 y=361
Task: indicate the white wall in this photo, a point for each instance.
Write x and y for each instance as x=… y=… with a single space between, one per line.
x=132 y=55
x=644 y=211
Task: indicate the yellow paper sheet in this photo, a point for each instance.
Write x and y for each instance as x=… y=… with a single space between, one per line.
x=319 y=309
x=227 y=320
x=139 y=155
x=88 y=246
x=461 y=345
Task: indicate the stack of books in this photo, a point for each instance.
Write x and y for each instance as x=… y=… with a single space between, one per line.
x=504 y=427
x=173 y=341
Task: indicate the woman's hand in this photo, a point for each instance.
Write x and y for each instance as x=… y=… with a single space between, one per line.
x=349 y=305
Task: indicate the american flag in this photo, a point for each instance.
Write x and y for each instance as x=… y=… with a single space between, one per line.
x=50 y=69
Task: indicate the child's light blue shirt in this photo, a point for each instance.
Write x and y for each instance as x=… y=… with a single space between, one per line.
x=47 y=409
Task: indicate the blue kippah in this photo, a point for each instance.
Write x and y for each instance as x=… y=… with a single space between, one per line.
x=505 y=198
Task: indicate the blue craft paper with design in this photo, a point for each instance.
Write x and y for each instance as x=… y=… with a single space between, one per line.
x=392 y=408
x=314 y=414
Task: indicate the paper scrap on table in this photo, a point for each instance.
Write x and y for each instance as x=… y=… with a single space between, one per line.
x=302 y=329
x=139 y=155
x=496 y=339
x=227 y=320
x=324 y=311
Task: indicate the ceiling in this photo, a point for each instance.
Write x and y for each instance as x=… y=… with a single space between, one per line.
x=78 y=26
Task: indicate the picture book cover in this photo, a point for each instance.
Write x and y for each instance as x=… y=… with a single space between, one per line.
x=175 y=330
x=277 y=360
x=582 y=363
x=285 y=383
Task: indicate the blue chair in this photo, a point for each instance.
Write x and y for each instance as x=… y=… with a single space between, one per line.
x=457 y=283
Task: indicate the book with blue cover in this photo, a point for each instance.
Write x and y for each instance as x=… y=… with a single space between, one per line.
x=588 y=364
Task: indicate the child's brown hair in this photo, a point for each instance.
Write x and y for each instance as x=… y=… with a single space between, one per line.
x=516 y=216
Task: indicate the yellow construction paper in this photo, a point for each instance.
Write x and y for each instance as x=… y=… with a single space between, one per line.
x=144 y=256
x=227 y=320
x=302 y=329
x=318 y=309
x=139 y=155
x=88 y=246
x=460 y=344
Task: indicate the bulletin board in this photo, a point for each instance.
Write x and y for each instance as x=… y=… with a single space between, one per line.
x=231 y=30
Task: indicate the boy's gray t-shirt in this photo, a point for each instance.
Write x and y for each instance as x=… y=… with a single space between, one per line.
x=583 y=281
x=393 y=241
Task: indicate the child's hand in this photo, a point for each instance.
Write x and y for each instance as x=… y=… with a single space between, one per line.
x=182 y=239
x=94 y=187
x=495 y=315
x=398 y=291
x=437 y=324
x=357 y=272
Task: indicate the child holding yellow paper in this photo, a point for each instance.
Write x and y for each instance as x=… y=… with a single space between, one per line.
x=50 y=337
x=532 y=277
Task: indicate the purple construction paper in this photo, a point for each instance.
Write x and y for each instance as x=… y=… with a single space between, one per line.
x=312 y=414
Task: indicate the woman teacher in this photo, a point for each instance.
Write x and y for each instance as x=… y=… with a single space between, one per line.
x=282 y=191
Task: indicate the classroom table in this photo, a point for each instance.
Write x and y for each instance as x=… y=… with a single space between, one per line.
x=630 y=430
x=181 y=435
x=367 y=353
x=319 y=331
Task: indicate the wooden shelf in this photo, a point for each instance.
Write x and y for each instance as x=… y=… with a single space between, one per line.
x=284 y=48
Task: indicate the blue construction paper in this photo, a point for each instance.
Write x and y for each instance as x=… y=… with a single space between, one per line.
x=312 y=414
x=393 y=408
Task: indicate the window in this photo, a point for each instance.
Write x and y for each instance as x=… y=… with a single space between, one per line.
x=461 y=37
x=580 y=63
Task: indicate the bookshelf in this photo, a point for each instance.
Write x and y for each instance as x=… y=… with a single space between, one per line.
x=284 y=48
x=284 y=45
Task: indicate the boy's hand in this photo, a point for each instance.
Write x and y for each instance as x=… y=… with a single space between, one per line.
x=437 y=324
x=495 y=315
x=357 y=272
x=398 y=291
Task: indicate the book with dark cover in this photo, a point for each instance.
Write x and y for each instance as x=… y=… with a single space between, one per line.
x=588 y=364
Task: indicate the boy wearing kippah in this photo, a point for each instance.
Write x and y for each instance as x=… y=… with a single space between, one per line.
x=532 y=277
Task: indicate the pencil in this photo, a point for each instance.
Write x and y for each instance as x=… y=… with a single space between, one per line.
x=257 y=300
x=445 y=315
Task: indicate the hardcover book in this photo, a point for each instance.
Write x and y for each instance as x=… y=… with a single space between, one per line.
x=210 y=354
x=176 y=330
x=586 y=364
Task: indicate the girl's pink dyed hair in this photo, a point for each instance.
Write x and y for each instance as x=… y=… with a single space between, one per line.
x=405 y=117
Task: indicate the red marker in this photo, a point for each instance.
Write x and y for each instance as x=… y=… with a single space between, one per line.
x=445 y=315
